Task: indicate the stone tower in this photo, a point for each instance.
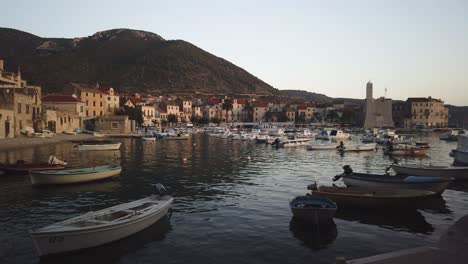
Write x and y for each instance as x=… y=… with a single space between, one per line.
x=369 y=90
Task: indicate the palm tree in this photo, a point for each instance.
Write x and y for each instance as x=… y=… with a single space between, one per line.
x=227 y=106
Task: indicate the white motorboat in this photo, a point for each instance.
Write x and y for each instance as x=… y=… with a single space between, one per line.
x=75 y=175
x=357 y=147
x=322 y=146
x=99 y=145
x=149 y=139
x=291 y=142
x=460 y=154
x=339 y=135
x=101 y=227
x=459 y=173
x=96 y=134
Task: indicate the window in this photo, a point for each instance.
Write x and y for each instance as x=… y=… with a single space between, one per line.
x=108 y=98
x=114 y=125
x=19 y=108
x=81 y=109
x=100 y=96
x=27 y=109
x=94 y=103
x=87 y=103
x=87 y=113
x=68 y=119
x=100 y=104
x=94 y=95
x=86 y=93
x=94 y=113
x=100 y=113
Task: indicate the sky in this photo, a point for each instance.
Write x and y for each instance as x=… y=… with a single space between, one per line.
x=412 y=48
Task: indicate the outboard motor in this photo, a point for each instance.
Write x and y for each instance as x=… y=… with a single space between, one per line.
x=312 y=187
x=347 y=170
x=160 y=189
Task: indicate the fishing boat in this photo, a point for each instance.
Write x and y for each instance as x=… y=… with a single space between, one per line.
x=460 y=154
x=314 y=209
x=458 y=173
x=21 y=167
x=357 y=147
x=405 y=150
x=291 y=142
x=101 y=227
x=435 y=184
x=75 y=175
x=98 y=145
x=376 y=198
x=322 y=146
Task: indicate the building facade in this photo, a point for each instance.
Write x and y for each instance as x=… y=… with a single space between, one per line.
x=426 y=113
x=378 y=111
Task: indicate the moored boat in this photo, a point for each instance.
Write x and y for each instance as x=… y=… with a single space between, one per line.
x=357 y=147
x=22 y=167
x=405 y=150
x=376 y=198
x=322 y=146
x=460 y=154
x=315 y=209
x=291 y=142
x=459 y=173
x=431 y=183
x=101 y=227
x=75 y=175
x=98 y=145
x=151 y=139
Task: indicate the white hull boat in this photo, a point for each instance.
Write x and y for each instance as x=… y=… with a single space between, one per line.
x=331 y=146
x=359 y=147
x=459 y=173
x=460 y=154
x=68 y=176
x=297 y=142
x=110 y=146
x=100 y=227
x=150 y=139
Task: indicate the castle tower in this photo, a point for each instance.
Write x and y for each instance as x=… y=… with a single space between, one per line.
x=369 y=91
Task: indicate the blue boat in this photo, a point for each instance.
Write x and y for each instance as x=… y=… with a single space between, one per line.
x=315 y=209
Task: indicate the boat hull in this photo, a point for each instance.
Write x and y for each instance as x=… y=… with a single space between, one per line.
x=46 y=179
x=437 y=187
x=459 y=157
x=53 y=243
x=17 y=169
x=322 y=147
x=322 y=215
x=115 y=146
x=460 y=173
x=365 y=147
x=370 y=198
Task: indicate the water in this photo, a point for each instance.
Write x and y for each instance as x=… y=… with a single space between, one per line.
x=228 y=208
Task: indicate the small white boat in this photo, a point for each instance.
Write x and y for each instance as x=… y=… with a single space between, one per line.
x=460 y=154
x=322 y=146
x=151 y=139
x=99 y=145
x=69 y=133
x=459 y=173
x=101 y=227
x=294 y=142
x=96 y=134
x=357 y=147
x=68 y=176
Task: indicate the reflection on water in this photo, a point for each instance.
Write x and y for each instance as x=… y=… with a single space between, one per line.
x=112 y=252
x=408 y=221
x=231 y=203
x=314 y=236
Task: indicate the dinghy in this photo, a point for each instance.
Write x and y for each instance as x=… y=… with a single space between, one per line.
x=313 y=209
x=79 y=175
x=22 y=167
x=376 y=198
x=434 y=184
x=357 y=147
x=101 y=227
x=459 y=173
x=98 y=145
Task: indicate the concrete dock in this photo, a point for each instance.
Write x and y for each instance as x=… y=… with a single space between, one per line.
x=452 y=248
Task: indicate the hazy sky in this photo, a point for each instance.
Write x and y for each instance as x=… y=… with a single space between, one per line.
x=414 y=48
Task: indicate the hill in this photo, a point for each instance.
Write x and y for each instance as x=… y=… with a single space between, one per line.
x=130 y=60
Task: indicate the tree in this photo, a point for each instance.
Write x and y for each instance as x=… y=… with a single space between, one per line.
x=249 y=109
x=172 y=119
x=215 y=120
x=204 y=121
x=195 y=120
x=163 y=122
x=227 y=106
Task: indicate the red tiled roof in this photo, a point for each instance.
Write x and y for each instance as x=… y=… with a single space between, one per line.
x=61 y=98
x=261 y=104
x=302 y=107
x=241 y=101
x=213 y=101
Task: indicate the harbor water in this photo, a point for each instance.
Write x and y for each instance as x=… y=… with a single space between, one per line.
x=231 y=203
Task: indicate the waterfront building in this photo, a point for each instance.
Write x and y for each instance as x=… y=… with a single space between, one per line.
x=290 y=114
x=378 y=111
x=260 y=109
x=426 y=112
x=23 y=99
x=399 y=113
x=111 y=99
x=95 y=100
x=115 y=124
x=237 y=109
x=59 y=121
x=149 y=115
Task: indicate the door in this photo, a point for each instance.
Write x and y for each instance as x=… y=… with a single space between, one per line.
x=7 y=129
x=51 y=126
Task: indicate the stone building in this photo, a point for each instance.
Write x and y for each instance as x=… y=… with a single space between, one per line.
x=115 y=124
x=111 y=99
x=59 y=121
x=23 y=99
x=426 y=112
x=95 y=100
x=260 y=109
x=149 y=115
x=378 y=111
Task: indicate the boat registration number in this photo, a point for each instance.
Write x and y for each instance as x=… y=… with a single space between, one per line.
x=55 y=239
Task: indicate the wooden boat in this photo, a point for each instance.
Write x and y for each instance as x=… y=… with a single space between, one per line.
x=101 y=227
x=357 y=147
x=405 y=150
x=315 y=209
x=326 y=146
x=21 y=167
x=78 y=175
x=376 y=198
x=433 y=183
x=148 y=139
x=98 y=145
x=459 y=173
